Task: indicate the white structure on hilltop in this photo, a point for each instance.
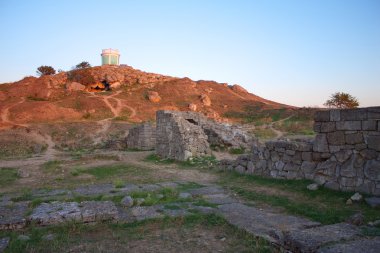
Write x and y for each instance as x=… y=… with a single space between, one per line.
x=110 y=57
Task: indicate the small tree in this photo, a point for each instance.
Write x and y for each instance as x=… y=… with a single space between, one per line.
x=45 y=70
x=342 y=100
x=83 y=65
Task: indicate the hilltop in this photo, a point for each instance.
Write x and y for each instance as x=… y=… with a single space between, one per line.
x=135 y=96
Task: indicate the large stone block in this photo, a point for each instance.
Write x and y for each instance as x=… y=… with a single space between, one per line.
x=336 y=138
x=369 y=125
x=347 y=169
x=349 y=125
x=320 y=143
x=353 y=114
x=335 y=115
x=374 y=112
x=327 y=127
x=372 y=170
x=355 y=138
x=307 y=156
x=373 y=142
x=322 y=116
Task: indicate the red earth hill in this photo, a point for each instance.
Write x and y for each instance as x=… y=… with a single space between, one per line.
x=135 y=97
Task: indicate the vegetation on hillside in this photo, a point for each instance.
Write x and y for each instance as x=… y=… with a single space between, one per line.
x=45 y=70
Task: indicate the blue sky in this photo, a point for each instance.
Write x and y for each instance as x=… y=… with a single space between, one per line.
x=294 y=52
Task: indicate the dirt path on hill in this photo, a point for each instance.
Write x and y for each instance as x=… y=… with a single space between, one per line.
x=278 y=133
x=5 y=114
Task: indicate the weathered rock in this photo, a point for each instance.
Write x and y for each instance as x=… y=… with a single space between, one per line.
x=12 y=216
x=311 y=239
x=87 y=211
x=238 y=88
x=374 y=142
x=336 y=138
x=312 y=187
x=192 y=107
x=367 y=245
x=262 y=223
x=205 y=100
x=115 y=85
x=356 y=219
x=154 y=97
x=349 y=125
x=373 y=201
x=139 y=201
x=356 y=197
x=320 y=143
x=73 y=86
x=127 y=201
x=49 y=237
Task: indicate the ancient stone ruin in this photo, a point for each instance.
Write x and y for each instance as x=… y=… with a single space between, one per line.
x=142 y=137
x=345 y=154
x=181 y=135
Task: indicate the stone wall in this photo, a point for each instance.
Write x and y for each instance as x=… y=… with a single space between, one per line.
x=181 y=135
x=345 y=154
x=142 y=137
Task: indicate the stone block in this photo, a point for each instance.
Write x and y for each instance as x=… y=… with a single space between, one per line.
x=320 y=143
x=349 y=125
x=373 y=142
x=335 y=115
x=334 y=149
x=372 y=170
x=317 y=127
x=355 y=138
x=322 y=116
x=374 y=112
x=347 y=169
x=308 y=167
x=327 y=127
x=290 y=152
x=332 y=185
x=360 y=146
x=369 y=125
x=353 y=114
x=369 y=154
x=343 y=155
x=336 y=138
x=347 y=183
x=291 y=167
x=307 y=156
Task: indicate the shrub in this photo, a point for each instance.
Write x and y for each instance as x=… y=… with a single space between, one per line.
x=45 y=71
x=83 y=65
x=342 y=100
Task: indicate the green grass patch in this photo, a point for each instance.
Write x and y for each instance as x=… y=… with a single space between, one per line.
x=323 y=205
x=264 y=133
x=237 y=151
x=104 y=172
x=202 y=202
x=8 y=176
x=51 y=166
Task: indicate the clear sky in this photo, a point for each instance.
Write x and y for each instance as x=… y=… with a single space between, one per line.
x=294 y=52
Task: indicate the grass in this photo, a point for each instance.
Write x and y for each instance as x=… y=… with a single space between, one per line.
x=237 y=151
x=323 y=205
x=104 y=172
x=51 y=166
x=194 y=162
x=8 y=176
x=264 y=133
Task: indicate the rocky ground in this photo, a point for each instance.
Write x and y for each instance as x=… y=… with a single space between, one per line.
x=132 y=201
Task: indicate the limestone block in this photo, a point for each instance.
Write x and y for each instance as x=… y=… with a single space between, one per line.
x=347 y=169
x=369 y=125
x=327 y=127
x=320 y=143
x=355 y=138
x=374 y=113
x=347 y=183
x=317 y=127
x=353 y=114
x=323 y=116
x=372 y=170
x=373 y=142
x=306 y=156
x=336 y=138
x=349 y=125
x=335 y=115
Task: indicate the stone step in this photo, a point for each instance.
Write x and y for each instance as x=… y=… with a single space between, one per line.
x=267 y=225
x=311 y=239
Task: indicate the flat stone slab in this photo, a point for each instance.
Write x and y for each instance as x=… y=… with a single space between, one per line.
x=366 y=245
x=270 y=226
x=97 y=189
x=310 y=240
x=139 y=213
x=4 y=243
x=208 y=190
x=87 y=211
x=12 y=215
x=220 y=199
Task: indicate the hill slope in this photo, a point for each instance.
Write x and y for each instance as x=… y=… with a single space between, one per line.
x=135 y=97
